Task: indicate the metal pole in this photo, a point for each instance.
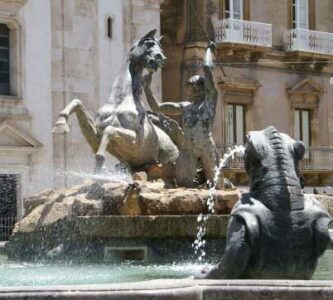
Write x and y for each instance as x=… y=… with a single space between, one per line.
x=206 y=35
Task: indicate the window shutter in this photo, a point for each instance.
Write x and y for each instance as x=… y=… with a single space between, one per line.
x=290 y=14
x=312 y=14
x=246 y=10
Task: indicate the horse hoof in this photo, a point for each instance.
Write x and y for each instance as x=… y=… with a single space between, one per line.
x=61 y=127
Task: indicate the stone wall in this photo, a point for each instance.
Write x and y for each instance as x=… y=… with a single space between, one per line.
x=74 y=75
x=25 y=114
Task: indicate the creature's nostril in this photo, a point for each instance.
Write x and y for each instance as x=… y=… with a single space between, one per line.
x=160 y=57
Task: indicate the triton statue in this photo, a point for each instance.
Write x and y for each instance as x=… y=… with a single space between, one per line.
x=275 y=231
x=122 y=126
x=197 y=121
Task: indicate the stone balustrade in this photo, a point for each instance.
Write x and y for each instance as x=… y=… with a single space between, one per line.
x=309 y=41
x=243 y=32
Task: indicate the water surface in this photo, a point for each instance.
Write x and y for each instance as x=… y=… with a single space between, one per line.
x=29 y=274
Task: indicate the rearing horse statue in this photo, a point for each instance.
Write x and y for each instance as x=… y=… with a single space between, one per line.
x=122 y=126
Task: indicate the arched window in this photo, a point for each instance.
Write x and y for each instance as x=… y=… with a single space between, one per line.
x=4 y=60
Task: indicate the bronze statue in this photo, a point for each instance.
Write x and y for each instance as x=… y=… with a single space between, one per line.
x=122 y=126
x=197 y=121
x=275 y=231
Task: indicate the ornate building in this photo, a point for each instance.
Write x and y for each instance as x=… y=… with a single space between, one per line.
x=275 y=62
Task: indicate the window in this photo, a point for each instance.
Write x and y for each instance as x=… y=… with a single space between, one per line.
x=109 y=29
x=233 y=9
x=235 y=124
x=300 y=14
x=302 y=128
x=4 y=60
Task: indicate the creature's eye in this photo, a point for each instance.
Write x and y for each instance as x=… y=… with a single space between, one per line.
x=149 y=44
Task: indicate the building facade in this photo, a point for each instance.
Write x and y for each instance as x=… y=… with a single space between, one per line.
x=273 y=67
x=52 y=51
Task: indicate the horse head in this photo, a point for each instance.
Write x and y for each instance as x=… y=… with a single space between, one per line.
x=272 y=163
x=147 y=52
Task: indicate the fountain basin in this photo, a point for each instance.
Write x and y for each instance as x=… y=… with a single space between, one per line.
x=181 y=289
x=67 y=272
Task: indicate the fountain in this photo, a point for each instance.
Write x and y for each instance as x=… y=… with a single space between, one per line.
x=94 y=239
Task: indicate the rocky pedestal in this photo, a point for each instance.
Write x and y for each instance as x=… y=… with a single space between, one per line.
x=63 y=219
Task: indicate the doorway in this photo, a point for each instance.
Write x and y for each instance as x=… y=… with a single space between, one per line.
x=8 y=204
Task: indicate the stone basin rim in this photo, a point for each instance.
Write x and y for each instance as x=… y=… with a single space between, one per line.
x=165 y=284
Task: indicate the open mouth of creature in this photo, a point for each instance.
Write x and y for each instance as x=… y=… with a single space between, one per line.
x=154 y=64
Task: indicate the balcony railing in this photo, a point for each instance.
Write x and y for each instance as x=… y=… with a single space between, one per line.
x=315 y=159
x=309 y=41
x=243 y=32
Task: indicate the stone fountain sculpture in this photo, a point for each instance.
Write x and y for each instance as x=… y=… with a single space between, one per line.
x=197 y=119
x=52 y=225
x=275 y=231
x=122 y=126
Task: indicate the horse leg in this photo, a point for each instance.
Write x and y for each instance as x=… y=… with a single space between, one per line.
x=112 y=134
x=86 y=123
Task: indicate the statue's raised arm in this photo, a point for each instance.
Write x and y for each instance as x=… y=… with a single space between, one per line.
x=168 y=108
x=210 y=89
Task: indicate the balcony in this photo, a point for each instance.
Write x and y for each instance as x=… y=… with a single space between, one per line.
x=315 y=160
x=309 y=41
x=243 y=36
x=304 y=45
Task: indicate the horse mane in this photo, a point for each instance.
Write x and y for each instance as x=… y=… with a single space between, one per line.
x=122 y=85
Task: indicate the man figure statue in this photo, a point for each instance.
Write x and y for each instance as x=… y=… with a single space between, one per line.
x=197 y=119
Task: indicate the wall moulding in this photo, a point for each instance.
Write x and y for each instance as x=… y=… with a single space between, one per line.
x=239 y=84
x=306 y=93
x=11 y=7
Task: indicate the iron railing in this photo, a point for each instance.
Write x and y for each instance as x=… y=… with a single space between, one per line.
x=315 y=159
x=309 y=41
x=7 y=223
x=243 y=32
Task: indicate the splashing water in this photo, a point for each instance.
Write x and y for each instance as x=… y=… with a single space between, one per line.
x=199 y=243
x=118 y=177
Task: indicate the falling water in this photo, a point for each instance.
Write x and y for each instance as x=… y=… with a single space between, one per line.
x=199 y=243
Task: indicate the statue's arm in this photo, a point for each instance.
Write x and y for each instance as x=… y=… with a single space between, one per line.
x=168 y=108
x=208 y=65
x=236 y=255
